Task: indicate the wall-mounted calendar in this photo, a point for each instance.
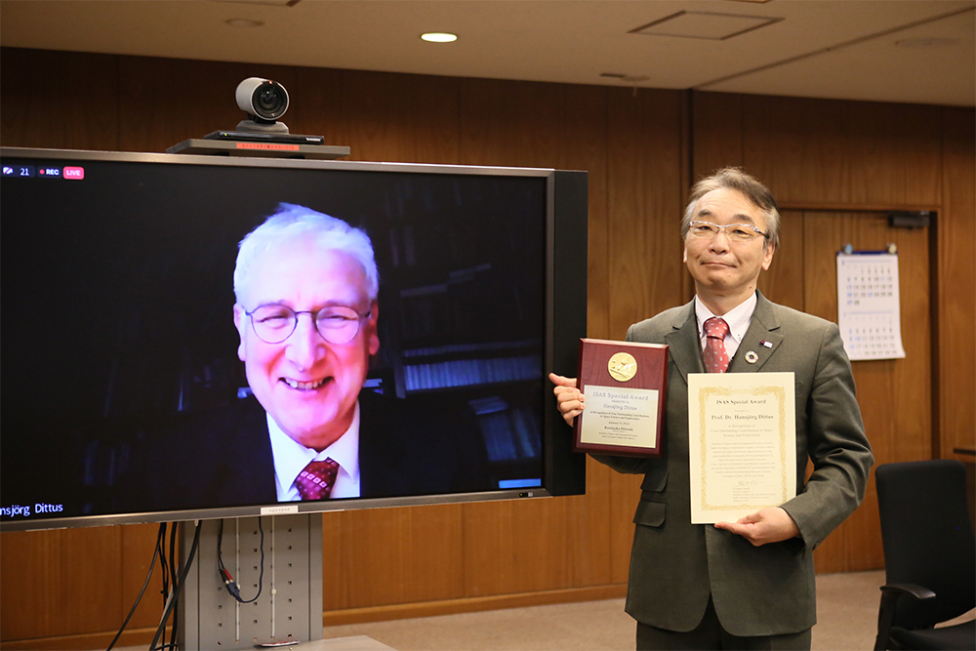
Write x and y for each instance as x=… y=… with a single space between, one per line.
x=868 y=306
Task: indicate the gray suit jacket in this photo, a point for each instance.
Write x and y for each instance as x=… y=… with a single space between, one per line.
x=675 y=565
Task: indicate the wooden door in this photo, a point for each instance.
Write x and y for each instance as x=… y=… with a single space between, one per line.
x=895 y=395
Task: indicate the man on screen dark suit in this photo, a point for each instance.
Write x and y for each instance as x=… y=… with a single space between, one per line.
x=225 y=457
x=747 y=584
x=306 y=313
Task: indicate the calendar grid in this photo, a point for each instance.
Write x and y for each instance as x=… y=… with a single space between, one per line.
x=868 y=305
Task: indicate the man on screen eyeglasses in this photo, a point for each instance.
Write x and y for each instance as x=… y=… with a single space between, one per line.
x=306 y=312
x=306 y=428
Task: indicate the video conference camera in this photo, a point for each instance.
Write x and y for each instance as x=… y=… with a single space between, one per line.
x=264 y=101
x=261 y=134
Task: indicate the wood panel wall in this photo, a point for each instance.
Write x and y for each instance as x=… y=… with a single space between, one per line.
x=956 y=298
x=71 y=588
x=871 y=156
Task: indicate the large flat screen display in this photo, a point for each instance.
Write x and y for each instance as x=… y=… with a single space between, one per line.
x=381 y=337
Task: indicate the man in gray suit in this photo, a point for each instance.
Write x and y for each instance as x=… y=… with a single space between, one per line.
x=747 y=584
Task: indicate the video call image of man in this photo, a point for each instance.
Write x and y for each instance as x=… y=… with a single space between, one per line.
x=747 y=584
x=306 y=312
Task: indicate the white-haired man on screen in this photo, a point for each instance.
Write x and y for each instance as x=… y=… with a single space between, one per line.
x=306 y=312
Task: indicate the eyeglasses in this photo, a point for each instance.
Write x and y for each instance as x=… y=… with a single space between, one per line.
x=735 y=232
x=273 y=324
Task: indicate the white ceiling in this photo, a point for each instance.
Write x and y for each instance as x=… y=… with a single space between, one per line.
x=919 y=51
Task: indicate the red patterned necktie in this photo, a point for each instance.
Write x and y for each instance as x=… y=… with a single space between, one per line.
x=316 y=480
x=716 y=359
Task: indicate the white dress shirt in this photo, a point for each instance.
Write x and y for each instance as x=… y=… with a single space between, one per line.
x=290 y=457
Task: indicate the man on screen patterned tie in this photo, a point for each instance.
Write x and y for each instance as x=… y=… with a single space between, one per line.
x=306 y=313
x=747 y=584
x=306 y=285
x=307 y=373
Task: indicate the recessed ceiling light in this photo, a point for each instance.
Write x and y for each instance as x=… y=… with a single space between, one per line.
x=244 y=22
x=439 y=37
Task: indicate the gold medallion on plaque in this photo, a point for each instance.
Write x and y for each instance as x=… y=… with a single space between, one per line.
x=622 y=367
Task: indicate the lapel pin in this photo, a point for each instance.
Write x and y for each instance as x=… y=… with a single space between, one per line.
x=766 y=343
x=752 y=357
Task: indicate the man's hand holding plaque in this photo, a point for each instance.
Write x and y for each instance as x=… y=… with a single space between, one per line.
x=624 y=383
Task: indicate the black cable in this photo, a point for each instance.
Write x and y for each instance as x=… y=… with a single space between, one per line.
x=177 y=587
x=166 y=564
x=225 y=576
x=163 y=562
x=159 y=536
x=173 y=564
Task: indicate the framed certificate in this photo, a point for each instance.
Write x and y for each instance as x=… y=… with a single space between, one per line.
x=624 y=384
x=741 y=443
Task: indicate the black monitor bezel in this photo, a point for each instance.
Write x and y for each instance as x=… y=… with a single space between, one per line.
x=565 y=323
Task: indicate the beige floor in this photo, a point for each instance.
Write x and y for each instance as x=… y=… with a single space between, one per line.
x=847 y=614
x=847 y=611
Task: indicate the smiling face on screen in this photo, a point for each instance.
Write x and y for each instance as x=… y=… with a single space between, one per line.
x=309 y=385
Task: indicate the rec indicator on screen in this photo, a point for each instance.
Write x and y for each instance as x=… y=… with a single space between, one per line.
x=72 y=173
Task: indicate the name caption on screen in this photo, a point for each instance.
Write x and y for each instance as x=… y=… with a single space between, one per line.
x=17 y=510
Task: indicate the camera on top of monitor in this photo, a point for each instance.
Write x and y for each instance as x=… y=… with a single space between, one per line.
x=264 y=101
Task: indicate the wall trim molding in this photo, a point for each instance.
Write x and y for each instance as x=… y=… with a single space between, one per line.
x=841 y=207
x=473 y=604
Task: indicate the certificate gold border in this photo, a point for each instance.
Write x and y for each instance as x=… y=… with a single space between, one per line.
x=779 y=394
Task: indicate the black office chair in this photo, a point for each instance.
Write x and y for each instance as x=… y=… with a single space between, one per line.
x=930 y=556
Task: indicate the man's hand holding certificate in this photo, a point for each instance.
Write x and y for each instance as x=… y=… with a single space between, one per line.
x=742 y=444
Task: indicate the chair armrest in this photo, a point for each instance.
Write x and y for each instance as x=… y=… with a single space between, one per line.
x=890 y=594
x=897 y=589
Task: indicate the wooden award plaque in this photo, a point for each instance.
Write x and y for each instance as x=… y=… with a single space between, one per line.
x=624 y=384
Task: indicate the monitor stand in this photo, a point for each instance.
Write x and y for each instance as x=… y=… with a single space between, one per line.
x=290 y=605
